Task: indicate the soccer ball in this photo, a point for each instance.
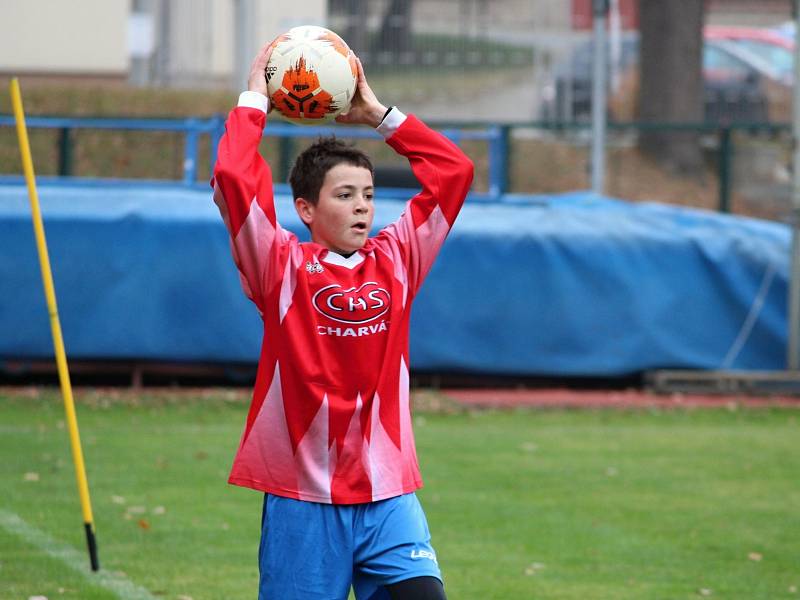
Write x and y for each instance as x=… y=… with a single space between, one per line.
x=311 y=75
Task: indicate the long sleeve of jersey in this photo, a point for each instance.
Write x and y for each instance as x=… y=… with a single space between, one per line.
x=243 y=193
x=330 y=419
x=445 y=175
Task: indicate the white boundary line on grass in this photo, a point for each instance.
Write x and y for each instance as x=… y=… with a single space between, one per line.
x=120 y=585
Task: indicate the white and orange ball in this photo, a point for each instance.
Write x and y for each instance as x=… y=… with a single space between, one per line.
x=311 y=75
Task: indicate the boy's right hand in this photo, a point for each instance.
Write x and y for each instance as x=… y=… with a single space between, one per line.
x=257 y=81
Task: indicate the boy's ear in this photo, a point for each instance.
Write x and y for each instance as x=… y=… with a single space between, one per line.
x=305 y=210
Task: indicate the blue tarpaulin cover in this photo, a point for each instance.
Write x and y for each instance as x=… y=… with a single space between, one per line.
x=573 y=284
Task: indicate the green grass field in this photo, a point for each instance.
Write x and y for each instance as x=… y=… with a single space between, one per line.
x=522 y=504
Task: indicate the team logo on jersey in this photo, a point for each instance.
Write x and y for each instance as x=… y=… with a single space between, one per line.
x=314 y=267
x=353 y=306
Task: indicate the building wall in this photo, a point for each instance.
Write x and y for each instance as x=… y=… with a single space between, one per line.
x=194 y=40
x=200 y=48
x=46 y=36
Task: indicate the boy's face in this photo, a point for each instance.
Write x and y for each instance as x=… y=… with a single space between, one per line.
x=342 y=217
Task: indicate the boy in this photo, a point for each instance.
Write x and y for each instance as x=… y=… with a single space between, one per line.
x=328 y=436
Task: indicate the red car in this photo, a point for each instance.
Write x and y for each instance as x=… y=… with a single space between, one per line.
x=774 y=49
x=772 y=54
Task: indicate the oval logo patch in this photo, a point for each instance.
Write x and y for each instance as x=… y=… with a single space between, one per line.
x=355 y=305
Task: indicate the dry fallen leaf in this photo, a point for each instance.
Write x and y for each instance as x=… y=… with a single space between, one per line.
x=37 y=597
x=792 y=589
x=31 y=476
x=159 y=510
x=534 y=568
x=755 y=556
x=143 y=524
x=705 y=592
x=184 y=597
x=118 y=499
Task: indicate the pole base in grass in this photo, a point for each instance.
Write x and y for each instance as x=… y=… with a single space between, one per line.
x=92 y=543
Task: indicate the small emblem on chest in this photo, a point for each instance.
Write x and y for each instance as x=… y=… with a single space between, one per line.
x=314 y=267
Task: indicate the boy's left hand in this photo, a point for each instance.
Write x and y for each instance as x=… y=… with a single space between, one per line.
x=365 y=109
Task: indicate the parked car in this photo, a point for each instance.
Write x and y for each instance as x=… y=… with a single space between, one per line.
x=773 y=56
x=567 y=94
x=786 y=30
x=775 y=49
x=739 y=86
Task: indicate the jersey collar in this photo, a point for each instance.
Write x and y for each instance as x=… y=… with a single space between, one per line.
x=351 y=262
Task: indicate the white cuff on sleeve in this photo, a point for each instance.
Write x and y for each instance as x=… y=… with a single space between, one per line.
x=254 y=100
x=392 y=121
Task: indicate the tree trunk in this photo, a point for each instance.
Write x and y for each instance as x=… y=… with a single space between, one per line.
x=671 y=80
x=395 y=32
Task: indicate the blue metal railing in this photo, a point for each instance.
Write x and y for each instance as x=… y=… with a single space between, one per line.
x=194 y=128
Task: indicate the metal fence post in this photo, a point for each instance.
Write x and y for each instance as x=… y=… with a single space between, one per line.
x=599 y=95
x=724 y=170
x=793 y=299
x=498 y=160
x=190 y=152
x=64 y=152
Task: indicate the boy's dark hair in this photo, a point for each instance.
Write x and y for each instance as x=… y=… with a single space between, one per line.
x=313 y=163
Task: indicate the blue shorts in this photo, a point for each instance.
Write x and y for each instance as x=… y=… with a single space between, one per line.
x=312 y=551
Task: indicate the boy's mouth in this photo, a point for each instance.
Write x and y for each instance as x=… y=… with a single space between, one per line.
x=360 y=227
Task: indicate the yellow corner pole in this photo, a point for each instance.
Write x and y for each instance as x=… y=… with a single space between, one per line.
x=55 y=326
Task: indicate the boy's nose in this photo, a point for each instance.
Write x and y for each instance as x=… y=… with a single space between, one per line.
x=361 y=204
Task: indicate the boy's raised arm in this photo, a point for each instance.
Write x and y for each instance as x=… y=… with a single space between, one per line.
x=440 y=166
x=242 y=185
x=445 y=174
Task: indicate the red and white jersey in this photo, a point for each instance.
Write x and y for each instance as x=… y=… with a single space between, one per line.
x=330 y=419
